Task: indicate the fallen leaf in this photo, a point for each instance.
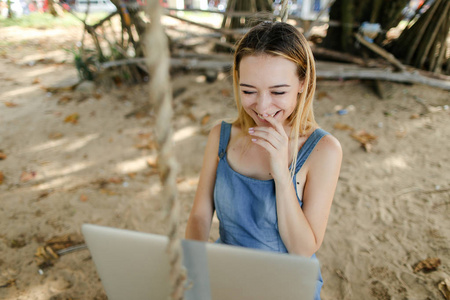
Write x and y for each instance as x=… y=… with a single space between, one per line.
x=46 y=255
x=400 y=133
x=97 y=95
x=342 y=126
x=2 y=177
x=145 y=136
x=152 y=162
x=10 y=104
x=363 y=137
x=107 y=192
x=27 y=176
x=192 y=117
x=2 y=155
x=55 y=135
x=36 y=80
x=322 y=95
x=205 y=119
x=64 y=99
x=139 y=115
x=149 y=145
x=8 y=283
x=64 y=241
x=427 y=265
x=83 y=198
x=444 y=287
x=17 y=243
x=43 y=195
x=132 y=175
x=414 y=116
x=73 y=118
x=116 y=180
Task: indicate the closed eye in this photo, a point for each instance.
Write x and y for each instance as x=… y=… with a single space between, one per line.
x=248 y=92
x=278 y=93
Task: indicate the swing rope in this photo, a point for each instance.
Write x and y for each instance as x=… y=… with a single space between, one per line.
x=158 y=63
x=284 y=10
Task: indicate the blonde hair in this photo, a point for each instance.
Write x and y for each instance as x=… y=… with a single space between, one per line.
x=280 y=39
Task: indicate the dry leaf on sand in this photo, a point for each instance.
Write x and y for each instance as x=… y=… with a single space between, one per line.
x=364 y=138
x=2 y=177
x=116 y=180
x=46 y=255
x=10 y=104
x=152 y=163
x=55 y=135
x=2 y=155
x=8 y=283
x=73 y=118
x=205 y=119
x=427 y=265
x=27 y=176
x=342 y=126
x=444 y=287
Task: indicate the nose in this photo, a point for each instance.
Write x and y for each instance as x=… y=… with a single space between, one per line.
x=263 y=103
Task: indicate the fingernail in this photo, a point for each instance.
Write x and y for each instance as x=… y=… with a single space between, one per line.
x=253 y=140
x=266 y=115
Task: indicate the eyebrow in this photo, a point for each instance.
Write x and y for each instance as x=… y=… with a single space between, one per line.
x=271 y=87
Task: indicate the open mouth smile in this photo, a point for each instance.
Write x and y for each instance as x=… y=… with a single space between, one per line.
x=272 y=115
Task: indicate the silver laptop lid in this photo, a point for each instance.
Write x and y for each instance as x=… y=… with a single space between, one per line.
x=134 y=265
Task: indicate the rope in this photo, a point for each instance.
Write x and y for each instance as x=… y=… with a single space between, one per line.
x=158 y=62
x=284 y=10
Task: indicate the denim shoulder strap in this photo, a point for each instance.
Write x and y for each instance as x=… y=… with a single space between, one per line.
x=225 y=131
x=308 y=147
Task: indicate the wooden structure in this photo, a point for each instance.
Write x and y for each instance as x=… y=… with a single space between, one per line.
x=116 y=47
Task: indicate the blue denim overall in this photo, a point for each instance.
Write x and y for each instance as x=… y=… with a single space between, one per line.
x=246 y=207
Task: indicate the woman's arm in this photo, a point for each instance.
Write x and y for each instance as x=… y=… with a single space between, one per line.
x=303 y=230
x=200 y=218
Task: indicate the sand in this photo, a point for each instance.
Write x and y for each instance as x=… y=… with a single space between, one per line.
x=390 y=210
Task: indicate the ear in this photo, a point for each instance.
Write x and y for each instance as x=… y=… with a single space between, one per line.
x=301 y=86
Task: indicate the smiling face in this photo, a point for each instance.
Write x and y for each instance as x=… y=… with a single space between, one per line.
x=269 y=85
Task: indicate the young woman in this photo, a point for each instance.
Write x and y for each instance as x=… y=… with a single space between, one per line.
x=271 y=174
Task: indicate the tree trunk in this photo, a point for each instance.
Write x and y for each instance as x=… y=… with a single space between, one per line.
x=10 y=14
x=350 y=14
x=254 y=6
x=258 y=7
x=421 y=44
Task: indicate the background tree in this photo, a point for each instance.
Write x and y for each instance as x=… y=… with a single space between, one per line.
x=422 y=43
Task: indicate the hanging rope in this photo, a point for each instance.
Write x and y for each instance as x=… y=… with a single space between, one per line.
x=158 y=62
x=284 y=10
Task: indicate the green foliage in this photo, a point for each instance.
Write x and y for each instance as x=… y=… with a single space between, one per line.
x=47 y=21
x=85 y=62
x=40 y=20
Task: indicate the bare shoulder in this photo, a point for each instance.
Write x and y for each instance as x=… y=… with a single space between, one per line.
x=328 y=150
x=330 y=144
x=213 y=139
x=215 y=132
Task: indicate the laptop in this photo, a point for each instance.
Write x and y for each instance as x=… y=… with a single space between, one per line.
x=134 y=265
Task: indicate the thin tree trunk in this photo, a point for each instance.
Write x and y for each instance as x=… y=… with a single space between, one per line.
x=418 y=37
x=434 y=29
